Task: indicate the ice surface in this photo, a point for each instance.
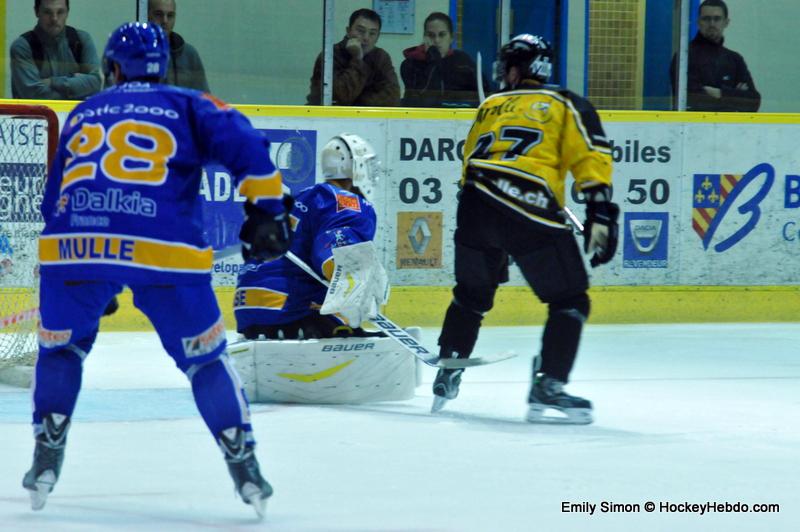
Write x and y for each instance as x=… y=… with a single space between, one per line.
x=684 y=413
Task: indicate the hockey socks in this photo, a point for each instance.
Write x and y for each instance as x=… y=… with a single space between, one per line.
x=219 y=396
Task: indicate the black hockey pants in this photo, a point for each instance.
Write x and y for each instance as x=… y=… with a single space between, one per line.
x=550 y=261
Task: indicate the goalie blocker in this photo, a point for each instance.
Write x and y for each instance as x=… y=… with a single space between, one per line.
x=326 y=371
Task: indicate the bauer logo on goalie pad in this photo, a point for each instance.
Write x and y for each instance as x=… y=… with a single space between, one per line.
x=51 y=339
x=206 y=342
x=347 y=203
x=347 y=347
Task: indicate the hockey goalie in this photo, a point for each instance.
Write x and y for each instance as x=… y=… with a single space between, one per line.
x=302 y=341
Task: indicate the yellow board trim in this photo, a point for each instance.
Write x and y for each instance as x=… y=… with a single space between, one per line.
x=382 y=113
x=318 y=376
x=425 y=306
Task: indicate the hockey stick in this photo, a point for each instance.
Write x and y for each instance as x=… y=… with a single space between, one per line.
x=396 y=333
x=574 y=219
x=479 y=75
x=391 y=329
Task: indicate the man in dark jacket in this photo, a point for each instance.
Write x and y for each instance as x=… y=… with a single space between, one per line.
x=363 y=74
x=54 y=61
x=185 y=68
x=718 y=78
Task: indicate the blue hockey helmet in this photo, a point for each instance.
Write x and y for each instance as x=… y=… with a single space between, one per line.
x=140 y=49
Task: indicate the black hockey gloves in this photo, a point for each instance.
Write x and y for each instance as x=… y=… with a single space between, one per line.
x=265 y=237
x=600 y=232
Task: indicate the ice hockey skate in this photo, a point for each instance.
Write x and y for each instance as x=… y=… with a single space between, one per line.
x=47 y=459
x=243 y=467
x=547 y=393
x=445 y=387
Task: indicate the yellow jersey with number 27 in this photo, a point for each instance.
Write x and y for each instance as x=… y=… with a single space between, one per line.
x=524 y=141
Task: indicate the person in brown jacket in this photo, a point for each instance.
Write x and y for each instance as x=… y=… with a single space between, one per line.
x=363 y=74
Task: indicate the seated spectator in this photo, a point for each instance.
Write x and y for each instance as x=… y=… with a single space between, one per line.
x=362 y=73
x=436 y=75
x=185 y=69
x=54 y=61
x=718 y=78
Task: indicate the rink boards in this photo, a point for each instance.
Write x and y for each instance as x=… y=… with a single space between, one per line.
x=710 y=229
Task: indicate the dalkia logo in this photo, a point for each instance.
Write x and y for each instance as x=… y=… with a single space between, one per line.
x=715 y=194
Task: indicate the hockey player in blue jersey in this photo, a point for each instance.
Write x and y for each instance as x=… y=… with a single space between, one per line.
x=277 y=299
x=121 y=207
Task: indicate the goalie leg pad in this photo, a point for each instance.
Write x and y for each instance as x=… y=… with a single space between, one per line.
x=325 y=371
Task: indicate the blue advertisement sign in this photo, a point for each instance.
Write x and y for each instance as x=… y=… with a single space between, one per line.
x=293 y=152
x=646 y=240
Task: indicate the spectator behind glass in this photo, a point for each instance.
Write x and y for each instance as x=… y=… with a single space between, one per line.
x=185 y=68
x=436 y=75
x=718 y=78
x=54 y=61
x=363 y=74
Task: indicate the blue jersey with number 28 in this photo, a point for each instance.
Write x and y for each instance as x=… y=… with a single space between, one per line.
x=122 y=200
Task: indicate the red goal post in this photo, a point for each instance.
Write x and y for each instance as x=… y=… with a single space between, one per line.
x=28 y=141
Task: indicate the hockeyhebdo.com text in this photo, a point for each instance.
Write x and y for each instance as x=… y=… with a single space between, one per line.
x=663 y=507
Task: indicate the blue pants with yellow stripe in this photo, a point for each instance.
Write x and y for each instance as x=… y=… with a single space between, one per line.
x=188 y=322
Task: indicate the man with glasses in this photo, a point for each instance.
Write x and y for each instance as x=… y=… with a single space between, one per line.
x=363 y=74
x=718 y=78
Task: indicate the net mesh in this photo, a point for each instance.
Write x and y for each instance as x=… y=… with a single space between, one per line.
x=24 y=148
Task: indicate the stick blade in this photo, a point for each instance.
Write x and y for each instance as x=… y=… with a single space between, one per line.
x=459 y=363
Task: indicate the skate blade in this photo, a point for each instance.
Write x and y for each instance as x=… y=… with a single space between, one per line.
x=259 y=505
x=438 y=403
x=253 y=496
x=43 y=486
x=571 y=416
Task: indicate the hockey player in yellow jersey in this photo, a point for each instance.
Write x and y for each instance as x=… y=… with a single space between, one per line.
x=523 y=142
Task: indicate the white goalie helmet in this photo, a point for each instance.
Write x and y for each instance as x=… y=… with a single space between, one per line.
x=348 y=156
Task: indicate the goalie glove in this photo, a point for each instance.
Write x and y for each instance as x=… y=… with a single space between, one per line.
x=265 y=237
x=359 y=285
x=600 y=232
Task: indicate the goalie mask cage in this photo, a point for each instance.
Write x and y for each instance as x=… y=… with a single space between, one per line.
x=28 y=141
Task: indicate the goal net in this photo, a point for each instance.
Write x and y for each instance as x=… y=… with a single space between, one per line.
x=28 y=138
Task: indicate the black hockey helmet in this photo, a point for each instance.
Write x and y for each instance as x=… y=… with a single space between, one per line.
x=532 y=54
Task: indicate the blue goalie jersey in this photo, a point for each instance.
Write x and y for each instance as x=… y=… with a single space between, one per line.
x=122 y=199
x=277 y=292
